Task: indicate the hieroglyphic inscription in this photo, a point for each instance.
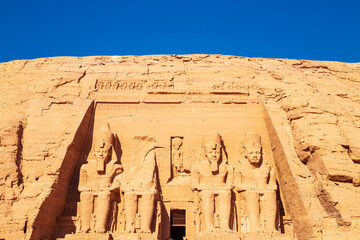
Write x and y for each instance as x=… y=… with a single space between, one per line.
x=235 y=86
x=133 y=85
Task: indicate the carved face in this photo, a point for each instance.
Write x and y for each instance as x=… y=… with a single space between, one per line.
x=253 y=153
x=101 y=150
x=212 y=151
x=177 y=142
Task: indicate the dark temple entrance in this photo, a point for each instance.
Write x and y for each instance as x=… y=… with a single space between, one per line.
x=177 y=222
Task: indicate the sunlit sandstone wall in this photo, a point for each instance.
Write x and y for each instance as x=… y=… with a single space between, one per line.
x=45 y=106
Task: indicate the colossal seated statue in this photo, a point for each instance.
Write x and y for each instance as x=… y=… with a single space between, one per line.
x=96 y=180
x=211 y=177
x=256 y=180
x=140 y=182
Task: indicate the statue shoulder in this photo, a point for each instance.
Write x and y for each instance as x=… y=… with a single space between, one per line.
x=239 y=167
x=118 y=165
x=84 y=167
x=267 y=167
x=115 y=167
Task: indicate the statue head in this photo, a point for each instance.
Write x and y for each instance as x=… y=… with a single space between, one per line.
x=177 y=142
x=252 y=148
x=102 y=146
x=212 y=149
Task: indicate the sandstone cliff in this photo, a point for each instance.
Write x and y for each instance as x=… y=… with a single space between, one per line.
x=46 y=104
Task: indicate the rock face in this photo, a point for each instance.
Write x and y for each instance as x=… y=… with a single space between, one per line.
x=202 y=146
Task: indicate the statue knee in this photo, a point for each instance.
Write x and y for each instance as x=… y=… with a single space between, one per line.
x=225 y=194
x=148 y=195
x=104 y=196
x=206 y=195
x=270 y=195
x=86 y=196
x=252 y=196
x=130 y=196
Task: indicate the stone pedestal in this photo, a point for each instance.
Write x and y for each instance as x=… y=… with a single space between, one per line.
x=266 y=236
x=135 y=236
x=220 y=236
x=88 y=236
x=243 y=236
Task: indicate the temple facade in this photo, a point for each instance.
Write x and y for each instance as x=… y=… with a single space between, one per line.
x=168 y=170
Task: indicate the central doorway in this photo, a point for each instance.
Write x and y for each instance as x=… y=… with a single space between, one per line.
x=177 y=222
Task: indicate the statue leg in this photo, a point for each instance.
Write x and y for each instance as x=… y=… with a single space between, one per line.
x=225 y=208
x=86 y=210
x=175 y=172
x=253 y=210
x=269 y=210
x=130 y=211
x=102 y=211
x=147 y=211
x=207 y=209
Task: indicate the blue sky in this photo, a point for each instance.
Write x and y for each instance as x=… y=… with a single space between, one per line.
x=315 y=30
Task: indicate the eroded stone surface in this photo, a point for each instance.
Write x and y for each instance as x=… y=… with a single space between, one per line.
x=306 y=112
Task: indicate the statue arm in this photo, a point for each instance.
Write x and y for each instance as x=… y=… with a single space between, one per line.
x=118 y=169
x=149 y=160
x=116 y=184
x=230 y=176
x=181 y=158
x=195 y=178
x=239 y=180
x=272 y=180
x=83 y=180
x=149 y=181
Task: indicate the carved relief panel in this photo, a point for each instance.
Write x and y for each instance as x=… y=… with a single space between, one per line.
x=177 y=156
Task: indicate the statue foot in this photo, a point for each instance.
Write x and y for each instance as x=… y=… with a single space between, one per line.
x=227 y=230
x=145 y=230
x=256 y=230
x=209 y=230
x=85 y=230
x=273 y=230
x=130 y=229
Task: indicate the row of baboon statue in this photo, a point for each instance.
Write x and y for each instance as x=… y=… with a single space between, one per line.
x=212 y=177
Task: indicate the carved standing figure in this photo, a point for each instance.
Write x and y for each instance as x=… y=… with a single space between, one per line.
x=177 y=156
x=256 y=180
x=140 y=181
x=210 y=177
x=96 y=178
